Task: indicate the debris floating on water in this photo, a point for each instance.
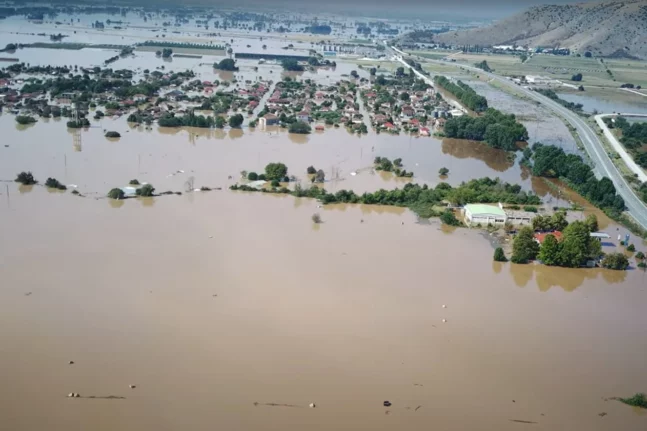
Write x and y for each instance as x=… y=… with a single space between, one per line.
x=522 y=421
x=132 y=386
x=71 y=363
x=387 y=403
x=444 y=320
x=444 y=306
x=312 y=405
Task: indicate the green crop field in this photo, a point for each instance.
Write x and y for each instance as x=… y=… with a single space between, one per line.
x=629 y=71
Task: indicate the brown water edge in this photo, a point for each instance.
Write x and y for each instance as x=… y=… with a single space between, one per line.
x=346 y=316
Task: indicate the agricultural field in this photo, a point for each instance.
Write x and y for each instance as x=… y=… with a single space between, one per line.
x=629 y=71
x=433 y=55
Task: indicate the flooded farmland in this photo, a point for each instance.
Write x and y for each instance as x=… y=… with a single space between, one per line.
x=233 y=310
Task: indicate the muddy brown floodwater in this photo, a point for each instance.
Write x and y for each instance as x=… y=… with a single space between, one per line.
x=211 y=302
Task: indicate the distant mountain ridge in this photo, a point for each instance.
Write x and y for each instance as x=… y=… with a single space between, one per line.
x=607 y=29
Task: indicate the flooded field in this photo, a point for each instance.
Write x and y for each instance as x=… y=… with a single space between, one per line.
x=232 y=310
x=542 y=125
x=48 y=148
x=608 y=101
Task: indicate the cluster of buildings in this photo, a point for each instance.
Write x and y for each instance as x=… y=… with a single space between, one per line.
x=417 y=111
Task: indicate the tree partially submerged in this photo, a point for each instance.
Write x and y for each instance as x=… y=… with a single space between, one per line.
x=53 y=183
x=147 y=190
x=524 y=247
x=26 y=179
x=617 y=261
x=116 y=193
x=499 y=255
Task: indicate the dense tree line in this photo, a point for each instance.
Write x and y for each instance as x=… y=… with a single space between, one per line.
x=464 y=93
x=423 y=200
x=552 y=162
x=188 y=120
x=498 y=130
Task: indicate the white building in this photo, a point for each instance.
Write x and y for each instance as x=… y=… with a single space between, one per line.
x=484 y=214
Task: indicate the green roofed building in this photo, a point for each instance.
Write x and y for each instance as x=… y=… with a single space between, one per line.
x=484 y=214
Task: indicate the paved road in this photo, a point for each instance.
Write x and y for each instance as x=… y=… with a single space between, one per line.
x=629 y=161
x=602 y=164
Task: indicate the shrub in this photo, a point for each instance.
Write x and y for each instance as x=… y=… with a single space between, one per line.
x=252 y=176
x=236 y=120
x=113 y=134
x=617 y=261
x=443 y=171
x=25 y=119
x=82 y=122
x=25 y=178
x=276 y=183
x=53 y=183
x=116 y=194
x=530 y=209
x=640 y=255
x=146 y=190
x=499 y=255
x=134 y=182
x=631 y=248
x=316 y=218
x=311 y=170
x=449 y=218
x=642 y=265
x=262 y=177
x=319 y=177
x=300 y=127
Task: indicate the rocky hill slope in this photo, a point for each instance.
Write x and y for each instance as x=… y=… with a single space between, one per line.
x=609 y=28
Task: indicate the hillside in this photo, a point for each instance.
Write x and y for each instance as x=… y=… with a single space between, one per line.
x=609 y=29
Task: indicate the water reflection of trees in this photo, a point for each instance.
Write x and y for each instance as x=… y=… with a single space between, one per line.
x=298 y=138
x=367 y=209
x=462 y=149
x=568 y=279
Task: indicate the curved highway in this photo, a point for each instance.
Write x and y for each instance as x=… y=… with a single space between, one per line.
x=602 y=164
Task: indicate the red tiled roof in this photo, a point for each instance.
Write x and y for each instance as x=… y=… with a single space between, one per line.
x=541 y=237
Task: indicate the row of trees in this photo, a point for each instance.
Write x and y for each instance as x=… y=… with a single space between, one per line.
x=423 y=200
x=498 y=130
x=464 y=93
x=575 y=107
x=193 y=120
x=552 y=162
